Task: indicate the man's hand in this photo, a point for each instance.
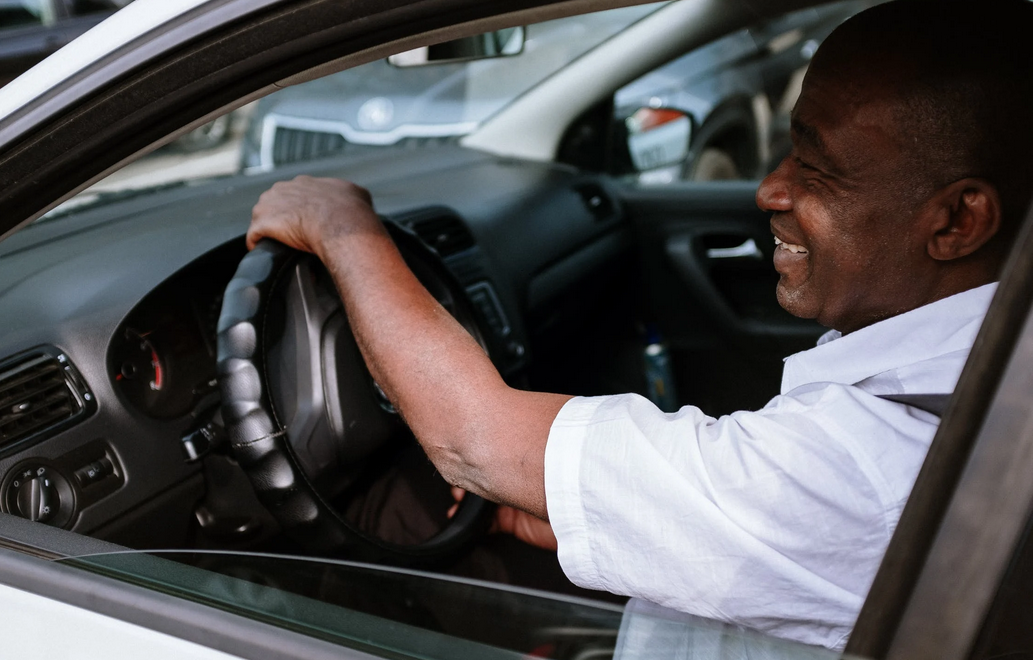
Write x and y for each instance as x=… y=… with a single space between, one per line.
x=529 y=529
x=308 y=213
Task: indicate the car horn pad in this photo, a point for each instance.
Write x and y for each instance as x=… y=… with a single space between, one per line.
x=260 y=443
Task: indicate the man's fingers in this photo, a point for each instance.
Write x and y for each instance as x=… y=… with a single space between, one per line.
x=302 y=212
x=457 y=494
x=279 y=226
x=525 y=527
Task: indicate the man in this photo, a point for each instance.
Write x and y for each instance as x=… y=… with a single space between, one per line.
x=892 y=215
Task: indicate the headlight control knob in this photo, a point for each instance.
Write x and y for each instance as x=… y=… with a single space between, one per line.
x=39 y=493
x=37 y=499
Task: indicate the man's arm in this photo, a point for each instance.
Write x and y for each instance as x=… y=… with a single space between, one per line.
x=481 y=434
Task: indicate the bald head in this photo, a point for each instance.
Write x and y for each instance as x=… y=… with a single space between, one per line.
x=960 y=74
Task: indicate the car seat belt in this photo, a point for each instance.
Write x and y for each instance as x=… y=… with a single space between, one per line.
x=934 y=404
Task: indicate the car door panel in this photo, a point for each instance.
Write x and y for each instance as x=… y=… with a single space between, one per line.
x=706 y=253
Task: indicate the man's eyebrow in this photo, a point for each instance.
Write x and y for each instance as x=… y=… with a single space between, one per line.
x=809 y=135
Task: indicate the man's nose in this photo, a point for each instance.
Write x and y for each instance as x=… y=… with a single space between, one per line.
x=773 y=192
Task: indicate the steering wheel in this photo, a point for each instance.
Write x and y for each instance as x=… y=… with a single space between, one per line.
x=301 y=410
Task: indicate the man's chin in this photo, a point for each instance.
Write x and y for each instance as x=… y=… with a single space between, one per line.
x=796 y=301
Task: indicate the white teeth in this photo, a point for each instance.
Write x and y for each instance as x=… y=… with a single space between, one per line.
x=792 y=247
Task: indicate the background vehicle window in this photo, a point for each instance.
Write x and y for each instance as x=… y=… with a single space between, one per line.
x=19 y=13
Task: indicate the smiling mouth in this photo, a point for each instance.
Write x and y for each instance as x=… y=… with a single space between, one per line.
x=789 y=247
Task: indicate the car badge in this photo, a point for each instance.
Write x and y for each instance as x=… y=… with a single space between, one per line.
x=376 y=113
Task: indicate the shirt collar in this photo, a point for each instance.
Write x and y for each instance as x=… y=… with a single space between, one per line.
x=929 y=331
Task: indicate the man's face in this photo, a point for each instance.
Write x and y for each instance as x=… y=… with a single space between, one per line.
x=841 y=208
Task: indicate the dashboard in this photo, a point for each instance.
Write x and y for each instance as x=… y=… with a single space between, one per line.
x=162 y=357
x=124 y=298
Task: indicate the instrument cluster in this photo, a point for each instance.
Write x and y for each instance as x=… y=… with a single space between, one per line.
x=162 y=357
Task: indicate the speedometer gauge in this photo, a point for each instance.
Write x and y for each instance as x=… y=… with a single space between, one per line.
x=139 y=372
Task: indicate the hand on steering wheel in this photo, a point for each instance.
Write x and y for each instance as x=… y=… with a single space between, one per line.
x=300 y=406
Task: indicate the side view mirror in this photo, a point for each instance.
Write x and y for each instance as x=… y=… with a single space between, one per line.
x=502 y=43
x=658 y=137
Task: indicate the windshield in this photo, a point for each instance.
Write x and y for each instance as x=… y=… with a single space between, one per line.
x=374 y=106
x=396 y=612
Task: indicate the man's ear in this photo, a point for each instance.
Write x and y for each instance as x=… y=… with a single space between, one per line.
x=966 y=215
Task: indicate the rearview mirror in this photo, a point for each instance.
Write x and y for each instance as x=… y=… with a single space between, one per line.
x=502 y=43
x=658 y=137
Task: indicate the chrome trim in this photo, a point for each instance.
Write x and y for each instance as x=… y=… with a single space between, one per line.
x=748 y=250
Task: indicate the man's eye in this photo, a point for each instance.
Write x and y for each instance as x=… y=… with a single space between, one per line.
x=802 y=164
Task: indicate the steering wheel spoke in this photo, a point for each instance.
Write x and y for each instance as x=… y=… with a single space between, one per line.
x=294 y=358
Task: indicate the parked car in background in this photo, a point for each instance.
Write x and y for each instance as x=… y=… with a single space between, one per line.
x=737 y=92
x=382 y=104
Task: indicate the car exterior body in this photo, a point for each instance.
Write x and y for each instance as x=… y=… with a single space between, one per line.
x=952 y=582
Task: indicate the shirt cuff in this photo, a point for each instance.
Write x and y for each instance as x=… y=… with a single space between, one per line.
x=563 y=452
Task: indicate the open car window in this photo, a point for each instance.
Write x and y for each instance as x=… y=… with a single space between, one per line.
x=394 y=612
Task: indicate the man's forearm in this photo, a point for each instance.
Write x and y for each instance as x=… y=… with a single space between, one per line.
x=481 y=434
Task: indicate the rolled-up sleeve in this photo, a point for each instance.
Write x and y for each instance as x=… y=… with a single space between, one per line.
x=775 y=519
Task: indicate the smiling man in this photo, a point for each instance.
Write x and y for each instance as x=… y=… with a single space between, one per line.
x=909 y=174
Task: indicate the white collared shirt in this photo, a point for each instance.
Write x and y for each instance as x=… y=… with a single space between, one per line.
x=775 y=519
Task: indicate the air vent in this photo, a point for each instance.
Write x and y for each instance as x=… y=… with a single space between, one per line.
x=445 y=233
x=39 y=392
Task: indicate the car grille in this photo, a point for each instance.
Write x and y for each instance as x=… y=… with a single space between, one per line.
x=295 y=145
x=292 y=145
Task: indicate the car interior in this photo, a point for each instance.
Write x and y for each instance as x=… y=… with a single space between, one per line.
x=118 y=341
x=114 y=383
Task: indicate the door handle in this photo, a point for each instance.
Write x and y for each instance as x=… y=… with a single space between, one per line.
x=748 y=250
